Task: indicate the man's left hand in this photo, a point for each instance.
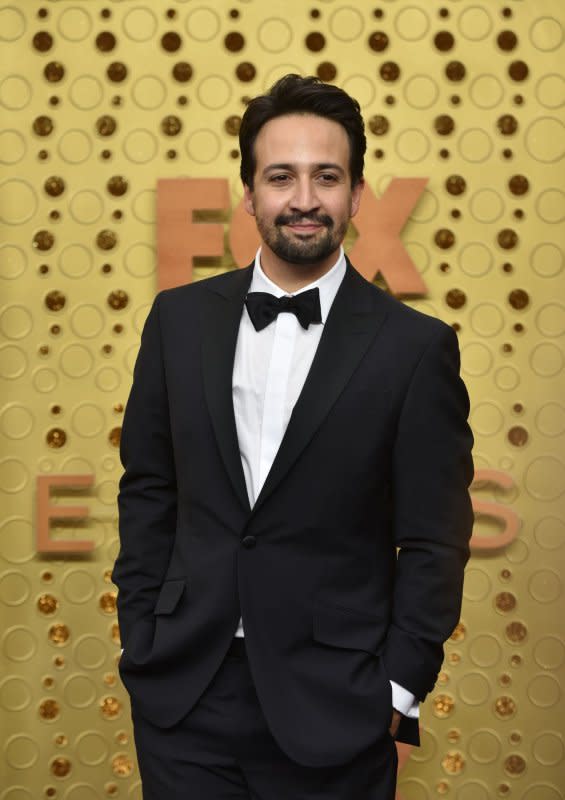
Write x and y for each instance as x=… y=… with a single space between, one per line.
x=395 y=722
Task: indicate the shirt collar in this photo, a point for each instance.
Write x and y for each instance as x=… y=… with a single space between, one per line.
x=327 y=284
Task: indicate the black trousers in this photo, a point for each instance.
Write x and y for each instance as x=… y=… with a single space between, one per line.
x=223 y=750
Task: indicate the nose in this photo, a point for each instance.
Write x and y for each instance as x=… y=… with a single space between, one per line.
x=304 y=197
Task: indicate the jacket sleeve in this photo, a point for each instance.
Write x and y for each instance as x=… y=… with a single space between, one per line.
x=147 y=499
x=433 y=517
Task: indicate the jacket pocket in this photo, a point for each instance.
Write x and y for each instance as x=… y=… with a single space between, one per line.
x=348 y=628
x=169 y=596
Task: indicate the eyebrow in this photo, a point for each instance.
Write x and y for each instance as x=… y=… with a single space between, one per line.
x=290 y=167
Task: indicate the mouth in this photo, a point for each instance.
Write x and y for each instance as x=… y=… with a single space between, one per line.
x=305 y=227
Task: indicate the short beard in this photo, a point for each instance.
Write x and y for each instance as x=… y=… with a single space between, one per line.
x=304 y=252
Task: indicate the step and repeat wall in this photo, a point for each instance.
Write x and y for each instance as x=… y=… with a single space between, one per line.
x=99 y=101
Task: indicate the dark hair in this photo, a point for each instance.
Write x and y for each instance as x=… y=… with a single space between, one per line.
x=293 y=94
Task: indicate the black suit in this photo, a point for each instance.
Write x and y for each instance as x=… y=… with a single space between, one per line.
x=376 y=457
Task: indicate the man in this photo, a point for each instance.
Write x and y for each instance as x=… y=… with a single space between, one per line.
x=277 y=453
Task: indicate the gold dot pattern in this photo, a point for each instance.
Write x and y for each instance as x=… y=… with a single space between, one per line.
x=122 y=765
x=56 y=437
x=326 y=71
x=115 y=633
x=505 y=707
x=59 y=634
x=505 y=601
x=107 y=602
x=49 y=710
x=443 y=705
x=516 y=632
x=60 y=768
x=118 y=299
x=453 y=762
x=47 y=604
x=467 y=93
x=110 y=707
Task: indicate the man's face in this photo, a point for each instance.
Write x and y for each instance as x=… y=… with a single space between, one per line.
x=302 y=197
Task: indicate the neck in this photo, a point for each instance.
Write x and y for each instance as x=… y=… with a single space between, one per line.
x=293 y=277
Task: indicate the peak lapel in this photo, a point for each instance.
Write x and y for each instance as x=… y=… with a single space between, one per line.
x=221 y=315
x=353 y=322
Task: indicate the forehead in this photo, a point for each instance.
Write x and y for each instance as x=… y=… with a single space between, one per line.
x=297 y=138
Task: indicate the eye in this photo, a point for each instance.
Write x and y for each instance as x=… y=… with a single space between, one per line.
x=279 y=179
x=327 y=177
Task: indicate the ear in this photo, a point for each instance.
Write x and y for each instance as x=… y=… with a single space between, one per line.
x=248 y=200
x=356 y=194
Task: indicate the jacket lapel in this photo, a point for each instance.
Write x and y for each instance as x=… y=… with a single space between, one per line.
x=353 y=322
x=221 y=315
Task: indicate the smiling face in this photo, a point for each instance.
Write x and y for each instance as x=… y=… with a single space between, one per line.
x=302 y=197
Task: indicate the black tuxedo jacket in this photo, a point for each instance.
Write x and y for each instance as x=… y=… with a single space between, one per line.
x=376 y=457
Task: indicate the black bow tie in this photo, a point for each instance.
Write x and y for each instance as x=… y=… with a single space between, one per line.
x=263 y=307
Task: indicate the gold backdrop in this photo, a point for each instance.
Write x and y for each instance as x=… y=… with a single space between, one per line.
x=100 y=99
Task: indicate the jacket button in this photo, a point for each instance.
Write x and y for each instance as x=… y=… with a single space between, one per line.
x=249 y=541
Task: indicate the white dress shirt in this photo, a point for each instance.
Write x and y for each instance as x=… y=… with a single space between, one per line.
x=270 y=368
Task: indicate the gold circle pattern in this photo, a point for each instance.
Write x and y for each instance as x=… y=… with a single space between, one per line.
x=485 y=130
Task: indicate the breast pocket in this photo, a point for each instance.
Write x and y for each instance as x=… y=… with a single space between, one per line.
x=347 y=628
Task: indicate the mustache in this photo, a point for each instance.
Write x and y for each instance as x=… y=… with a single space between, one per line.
x=297 y=219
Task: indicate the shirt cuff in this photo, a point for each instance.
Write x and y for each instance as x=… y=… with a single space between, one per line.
x=404 y=701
